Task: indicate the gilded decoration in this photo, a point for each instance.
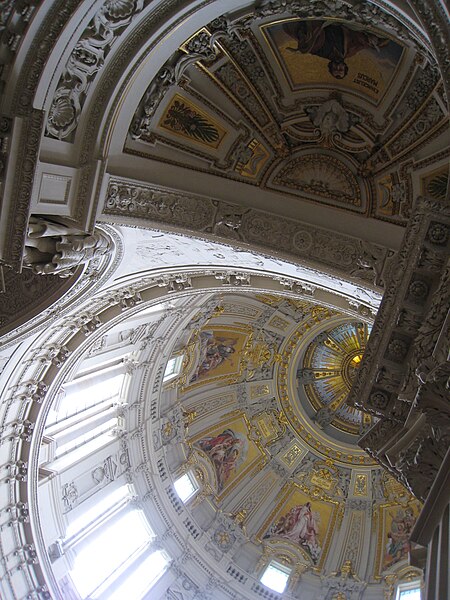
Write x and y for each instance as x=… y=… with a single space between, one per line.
x=259 y=389
x=269 y=299
x=218 y=354
x=329 y=368
x=288 y=393
x=268 y=426
x=391 y=196
x=324 y=476
x=224 y=353
x=332 y=104
x=393 y=490
x=339 y=89
x=204 y=407
x=252 y=160
x=231 y=451
x=185 y=119
x=396 y=523
x=360 y=485
x=293 y=454
x=258 y=353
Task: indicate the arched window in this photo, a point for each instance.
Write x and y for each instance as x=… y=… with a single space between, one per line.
x=113 y=557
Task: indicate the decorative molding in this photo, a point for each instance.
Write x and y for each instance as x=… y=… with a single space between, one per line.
x=435 y=20
x=363 y=261
x=86 y=61
x=405 y=368
x=322 y=176
x=44 y=41
x=19 y=202
x=87 y=282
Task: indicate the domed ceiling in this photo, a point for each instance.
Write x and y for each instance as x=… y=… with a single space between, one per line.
x=255 y=415
x=327 y=372
x=258 y=419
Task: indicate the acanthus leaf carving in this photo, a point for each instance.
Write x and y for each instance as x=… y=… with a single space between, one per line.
x=85 y=61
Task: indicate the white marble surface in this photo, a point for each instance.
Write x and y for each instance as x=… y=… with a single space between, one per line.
x=147 y=250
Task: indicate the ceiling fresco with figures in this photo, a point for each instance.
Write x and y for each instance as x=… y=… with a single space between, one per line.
x=258 y=417
x=345 y=112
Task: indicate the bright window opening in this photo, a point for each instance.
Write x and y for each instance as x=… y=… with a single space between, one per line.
x=84 y=450
x=85 y=437
x=276 y=577
x=411 y=594
x=410 y=590
x=86 y=392
x=186 y=487
x=113 y=499
x=103 y=552
x=173 y=367
x=142 y=578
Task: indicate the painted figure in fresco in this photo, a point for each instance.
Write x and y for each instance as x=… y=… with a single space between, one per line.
x=333 y=41
x=226 y=451
x=398 y=546
x=213 y=352
x=301 y=526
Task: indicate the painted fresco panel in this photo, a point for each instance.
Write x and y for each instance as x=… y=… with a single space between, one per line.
x=304 y=522
x=396 y=523
x=219 y=353
x=230 y=451
x=334 y=53
x=185 y=119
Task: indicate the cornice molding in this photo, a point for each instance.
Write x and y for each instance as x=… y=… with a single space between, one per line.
x=349 y=257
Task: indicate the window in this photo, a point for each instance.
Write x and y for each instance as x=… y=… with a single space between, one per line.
x=173 y=367
x=186 y=486
x=112 y=501
x=413 y=594
x=102 y=554
x=74 y=452
x=143 y=577
x=88 y=391
x=410 y=590
x=276 y=576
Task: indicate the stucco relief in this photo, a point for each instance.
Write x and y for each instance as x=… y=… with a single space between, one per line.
x=367 y=261
x=321 y=176
x=339 y=253
x=397 y=387
x=85 y=61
